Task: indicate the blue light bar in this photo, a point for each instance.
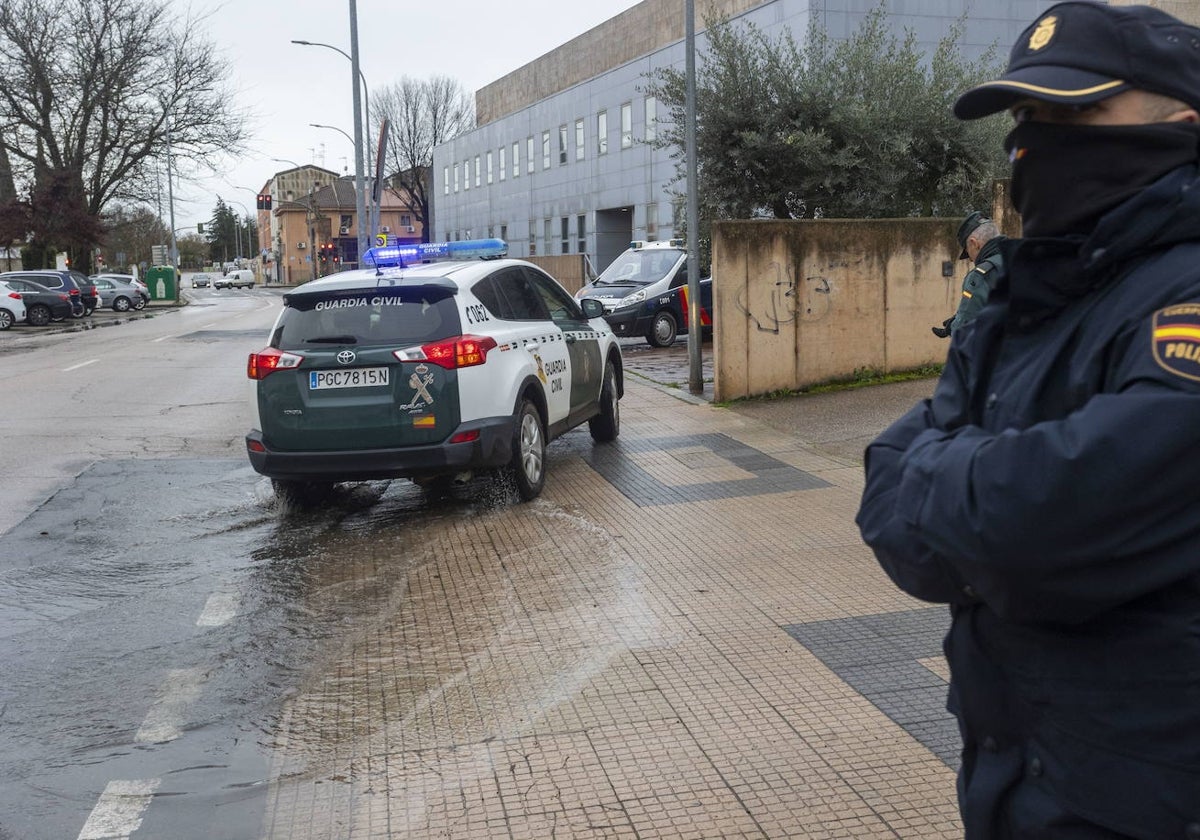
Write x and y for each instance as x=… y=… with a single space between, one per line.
x=398 y=256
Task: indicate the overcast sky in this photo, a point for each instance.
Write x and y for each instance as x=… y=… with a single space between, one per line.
x=283 y=86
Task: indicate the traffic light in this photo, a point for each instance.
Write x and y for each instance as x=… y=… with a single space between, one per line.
x=200 y=227
x=264 y=201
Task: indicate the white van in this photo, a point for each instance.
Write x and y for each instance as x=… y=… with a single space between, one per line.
x=239 y=278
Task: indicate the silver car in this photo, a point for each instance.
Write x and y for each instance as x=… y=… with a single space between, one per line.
x=118 y=294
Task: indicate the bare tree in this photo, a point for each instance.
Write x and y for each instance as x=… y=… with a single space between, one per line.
x=90 y=91
x=422 y=114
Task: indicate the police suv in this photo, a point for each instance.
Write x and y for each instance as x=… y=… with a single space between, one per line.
x=644 y=292
x=429 y=371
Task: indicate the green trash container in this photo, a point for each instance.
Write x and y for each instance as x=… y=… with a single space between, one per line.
x=163 y=282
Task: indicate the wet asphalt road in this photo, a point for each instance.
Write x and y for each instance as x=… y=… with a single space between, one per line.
x=157 y=609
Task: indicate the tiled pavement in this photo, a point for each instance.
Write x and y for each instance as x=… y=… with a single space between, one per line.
x=684 y=637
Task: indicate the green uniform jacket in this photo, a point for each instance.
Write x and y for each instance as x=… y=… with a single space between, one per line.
x=979 y=282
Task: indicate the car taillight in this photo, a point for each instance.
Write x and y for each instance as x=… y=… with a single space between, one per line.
x=74 y=292
x=265 y=362
x=15 y=295
x=460 y=352
x=64 y=297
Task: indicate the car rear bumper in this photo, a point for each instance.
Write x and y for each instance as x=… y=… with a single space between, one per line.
x=493 y=448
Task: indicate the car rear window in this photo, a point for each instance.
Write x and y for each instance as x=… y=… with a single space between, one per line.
x=394 y=316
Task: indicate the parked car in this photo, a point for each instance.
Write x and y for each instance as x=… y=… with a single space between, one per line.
x=42 y=305
x=644 y=292
x=73 y=283
x=238 y=278
x=201 y=281
x=127 y=278
x=432 y=372
x=121 y=296
x=12 y=306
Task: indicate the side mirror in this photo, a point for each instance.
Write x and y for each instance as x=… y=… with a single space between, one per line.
x=592 y=308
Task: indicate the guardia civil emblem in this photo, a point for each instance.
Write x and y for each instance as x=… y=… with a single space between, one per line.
x=1043 y=33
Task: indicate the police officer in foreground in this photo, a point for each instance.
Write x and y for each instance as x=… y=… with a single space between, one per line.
x=1049 y=490
x=980 y=241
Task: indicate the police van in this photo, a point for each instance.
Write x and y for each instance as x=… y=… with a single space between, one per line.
x=429 y=370
x=645 y=292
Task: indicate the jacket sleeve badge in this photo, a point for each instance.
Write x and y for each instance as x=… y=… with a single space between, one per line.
x=1176 y=340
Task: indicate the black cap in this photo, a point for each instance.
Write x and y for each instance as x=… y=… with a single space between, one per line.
x=965 y=230
x=1080 y=52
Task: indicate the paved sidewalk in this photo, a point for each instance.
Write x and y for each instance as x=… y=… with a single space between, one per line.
x=684 y=637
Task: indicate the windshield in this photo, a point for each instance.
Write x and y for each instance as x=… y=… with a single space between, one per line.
x=640 y=267
x=395 y=316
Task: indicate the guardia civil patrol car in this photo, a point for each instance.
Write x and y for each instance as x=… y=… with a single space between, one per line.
x=645 y=292
x=430 y=371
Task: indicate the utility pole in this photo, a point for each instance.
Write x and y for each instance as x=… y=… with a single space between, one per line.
x=171 y=205
x=695 y=333
x=359 y=195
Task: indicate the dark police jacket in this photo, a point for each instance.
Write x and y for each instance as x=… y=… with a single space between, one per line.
x=979 y=282
x=1050 y=493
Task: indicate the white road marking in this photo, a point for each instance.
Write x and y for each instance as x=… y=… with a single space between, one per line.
x=163 y=338
x=81 y=364
x=119 y=812
x=220 y=608
x=209 y=326
x=164 y=721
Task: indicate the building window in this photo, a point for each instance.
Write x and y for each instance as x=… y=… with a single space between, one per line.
x=579 y=139
x=529 y=154
x=545 y=150
x=626 y=125
x=581 y=233
x=504 y=232
x=516 y=160
x=477 y=173
x=565 y=236
x=602 y=133
x=562 y=144
x=651 y=222
x=532 y=233
x=467 y=174
x=405 y=220
x=547 y=234
x=503 y=168
x=445 y=180
x=456 y=177
x=651 y=119
x=489 y=167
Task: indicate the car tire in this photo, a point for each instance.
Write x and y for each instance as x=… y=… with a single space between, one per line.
x=79 y=313
x=88 y=310
x=141 y=303
x=6 y=319
x=606 y=425
x=38 y=315
x=122 y=304
x=301 y=494
x=663 y=330
x=527 y=470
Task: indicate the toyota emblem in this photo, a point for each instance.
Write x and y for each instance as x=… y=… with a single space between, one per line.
x=345 y=357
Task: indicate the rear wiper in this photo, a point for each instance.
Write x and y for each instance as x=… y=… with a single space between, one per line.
x=332 y=339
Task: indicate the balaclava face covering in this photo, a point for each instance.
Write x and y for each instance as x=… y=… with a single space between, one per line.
x=1065 y=177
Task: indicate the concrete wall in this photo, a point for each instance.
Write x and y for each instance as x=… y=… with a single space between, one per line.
x=802 y=302
x=570 y=270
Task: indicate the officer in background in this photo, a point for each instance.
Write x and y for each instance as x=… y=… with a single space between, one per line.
x=980 y=241
x=1048 y=491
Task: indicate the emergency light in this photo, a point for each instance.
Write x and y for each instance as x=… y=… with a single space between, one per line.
x=398 y=256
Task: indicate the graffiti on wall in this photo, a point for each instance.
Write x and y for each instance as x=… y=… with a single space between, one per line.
x=774 y=300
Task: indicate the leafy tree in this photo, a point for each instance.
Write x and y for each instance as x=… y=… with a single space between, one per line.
x=90 y=90
x=227 y=234
x=855 y=129
x=421 y=114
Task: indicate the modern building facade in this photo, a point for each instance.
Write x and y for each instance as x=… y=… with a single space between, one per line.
x=562 y=158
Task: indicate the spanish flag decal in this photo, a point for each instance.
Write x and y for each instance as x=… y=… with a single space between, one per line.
x=1176 y=340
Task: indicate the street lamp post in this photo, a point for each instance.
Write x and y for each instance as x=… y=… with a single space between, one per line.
x=356 y=76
